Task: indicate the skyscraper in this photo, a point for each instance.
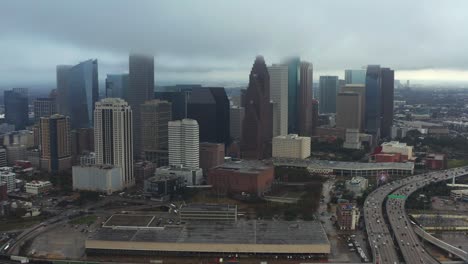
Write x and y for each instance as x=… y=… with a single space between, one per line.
x=315 y=116
x=117 y=86
x=304 y=100
x=279 y=97
x=155 y=116
x=293 y=87
x=62 y=89
x=210 y=107
x=236 y=118
x=141 y=89
x=55 y=143
x=373 y=99
x=355 y=76
x=329 y=86
x=179 y=100
x=257 y=128
x=44 y=107
x=184 y=144
x=16 y=109
x=388 y=80
x=113 y=139
x=82 y=93
x=348 y=110
x=361 y=90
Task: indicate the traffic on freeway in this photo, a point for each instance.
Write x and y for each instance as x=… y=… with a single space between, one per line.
x=382 y=236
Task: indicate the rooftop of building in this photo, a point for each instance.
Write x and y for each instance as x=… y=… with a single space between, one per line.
x=98 y=166
x=243 y=166
x=162 y=177
x=38 y=183
x=174 y=168
x=239 y=232
x=291 y=136
x=435 y=156
x=208 y=207
x=357 y=180
x=396 y=144
x=346 y=165
x=462 y=192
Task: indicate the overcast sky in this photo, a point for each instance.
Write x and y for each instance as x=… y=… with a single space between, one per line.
x=210 y=41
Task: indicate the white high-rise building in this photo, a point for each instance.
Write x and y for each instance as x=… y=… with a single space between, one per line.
x=113 y=139
x=184 y=144
x=279 y=96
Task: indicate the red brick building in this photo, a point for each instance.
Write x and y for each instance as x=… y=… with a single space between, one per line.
x=388 y=157
x=436 y=161
x=347 y=215
x=211 y=155
x=234 y=177
x=3 y=191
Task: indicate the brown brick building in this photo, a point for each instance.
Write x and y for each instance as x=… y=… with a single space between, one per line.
x=234 y=177
x=211 y=155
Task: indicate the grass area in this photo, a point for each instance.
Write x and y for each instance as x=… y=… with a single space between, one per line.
x=453 y=163
x=23 y=223
x=84 y=220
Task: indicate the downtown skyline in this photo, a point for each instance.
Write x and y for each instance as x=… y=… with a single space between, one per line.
x=210 y=42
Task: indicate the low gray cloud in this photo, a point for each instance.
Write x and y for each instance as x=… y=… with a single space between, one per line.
x=212 y=39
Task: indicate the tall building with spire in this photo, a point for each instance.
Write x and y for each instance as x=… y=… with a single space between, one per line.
x=141 y=89
x=113 y=139
x=258 y=121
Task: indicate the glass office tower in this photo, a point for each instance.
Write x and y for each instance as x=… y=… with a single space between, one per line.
x=373 y=110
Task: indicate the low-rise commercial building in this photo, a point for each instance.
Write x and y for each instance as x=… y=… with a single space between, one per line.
x=143 y=170
x=162 y=185
x=398 y=147
x=350 y=169
x=209 y=212
x=211 y=155
x=98 y=178
x=147 y=235
x=347 y=215
x=459 y=195
x=291 y=146
x=436 y=161
x=357 y=185
x=9 y=177
x=189 y=177
x=242 y=176
x=38 y=187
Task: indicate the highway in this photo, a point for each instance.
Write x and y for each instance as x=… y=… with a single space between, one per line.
x=382 y=235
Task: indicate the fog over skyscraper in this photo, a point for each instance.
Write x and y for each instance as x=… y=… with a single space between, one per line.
x=279 y=97
x=304 y=99
x=141 y=89
x=16 y=109
x=258 y=120
x=82 y=92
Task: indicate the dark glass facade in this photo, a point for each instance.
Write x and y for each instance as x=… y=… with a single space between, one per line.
x=373 y=100
x=304 y=100
x=117 y=86
x=16 y=109
x=257 y=129
x=141 y=89
x=179 y=102
x=293 y=88
x=329 y=86
x=210 y=107
x=388 y=80
x=82 y=92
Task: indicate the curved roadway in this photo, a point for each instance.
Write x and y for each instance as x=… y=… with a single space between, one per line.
x=382 y=236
